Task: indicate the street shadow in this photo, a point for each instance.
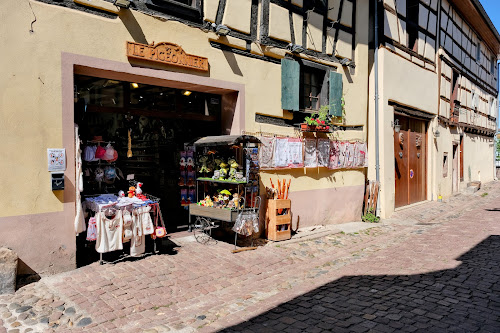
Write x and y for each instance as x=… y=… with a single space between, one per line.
x=463 y=299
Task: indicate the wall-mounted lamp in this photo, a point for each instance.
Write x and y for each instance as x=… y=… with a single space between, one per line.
x=294 y=48
x=221 y=29
x=122 y=3
x=436 y=133
x=396 y=126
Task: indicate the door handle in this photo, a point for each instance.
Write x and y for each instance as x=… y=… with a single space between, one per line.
x=401 y=154
x=418 y=155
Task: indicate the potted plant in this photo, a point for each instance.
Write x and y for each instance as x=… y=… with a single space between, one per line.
x=318 y=121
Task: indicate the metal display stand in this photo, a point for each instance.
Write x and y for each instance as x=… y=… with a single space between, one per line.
x=125 y=256
x=208 y=218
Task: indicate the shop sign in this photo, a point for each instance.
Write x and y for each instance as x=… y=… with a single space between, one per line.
x=166 y=53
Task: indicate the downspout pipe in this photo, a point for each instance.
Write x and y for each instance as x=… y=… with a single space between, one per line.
x=375 y=61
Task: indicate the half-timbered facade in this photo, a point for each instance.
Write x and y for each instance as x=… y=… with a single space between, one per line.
x=439 y=98
x=263 y=64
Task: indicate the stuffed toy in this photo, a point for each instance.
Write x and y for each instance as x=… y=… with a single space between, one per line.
x=131 y=191
x=138 y=190
x=182 y=163
x=190 y=163
x=233 y=167
x=204 y=167
x=236 y=200
x=223 y=171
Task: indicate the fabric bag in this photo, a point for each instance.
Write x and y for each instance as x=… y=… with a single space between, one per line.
x=160 y=230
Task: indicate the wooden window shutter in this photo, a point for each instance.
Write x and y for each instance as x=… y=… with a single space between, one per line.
x=335 y=94
x=290 y=80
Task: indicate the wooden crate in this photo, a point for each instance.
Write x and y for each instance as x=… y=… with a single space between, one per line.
x=275 y=223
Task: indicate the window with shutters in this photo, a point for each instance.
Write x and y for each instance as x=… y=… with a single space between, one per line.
x=307 y=88
x=311 y=86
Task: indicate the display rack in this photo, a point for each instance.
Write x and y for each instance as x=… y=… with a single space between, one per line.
x=207 y=216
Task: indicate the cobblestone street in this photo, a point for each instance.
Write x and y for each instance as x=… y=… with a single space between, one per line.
x=433 y=267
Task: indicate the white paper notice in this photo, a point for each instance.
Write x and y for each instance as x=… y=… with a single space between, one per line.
x=56 y=159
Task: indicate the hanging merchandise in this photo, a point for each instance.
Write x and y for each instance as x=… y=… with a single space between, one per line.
x=334 y=155
x=79 y=222
x=281 y=153
x=99 y=153
x=350 y=154
x=127 y=226
x=109 y=232
x=92 y=230
x=311 y=156
x=342 y=155
x=362 y=155
x=110 y=154
x=323 y=152
x=129 y=144
x=266 y=152
x=295 y=153
x=89 y=154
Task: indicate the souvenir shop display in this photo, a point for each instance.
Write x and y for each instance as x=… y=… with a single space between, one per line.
x=227 y=186
x=115 y=220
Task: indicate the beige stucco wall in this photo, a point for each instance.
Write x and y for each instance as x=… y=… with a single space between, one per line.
x=406 y=83
x=31 y=94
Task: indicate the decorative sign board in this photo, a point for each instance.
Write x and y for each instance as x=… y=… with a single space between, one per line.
x=56 y=159
x=166 y=53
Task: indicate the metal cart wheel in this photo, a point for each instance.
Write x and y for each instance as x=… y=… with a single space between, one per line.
x=202 y=230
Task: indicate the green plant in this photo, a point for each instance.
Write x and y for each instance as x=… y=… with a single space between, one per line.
x=484 y=194
x=370 y=217
x=321 y=118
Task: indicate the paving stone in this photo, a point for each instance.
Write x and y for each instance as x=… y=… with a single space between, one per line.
x=70 y=311
x=23 y=308
x=84 y=322
x=14 y=306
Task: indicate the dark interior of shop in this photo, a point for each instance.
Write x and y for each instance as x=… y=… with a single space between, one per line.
x=161 y=121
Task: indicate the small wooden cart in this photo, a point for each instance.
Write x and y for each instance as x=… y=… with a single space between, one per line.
x=208 y=218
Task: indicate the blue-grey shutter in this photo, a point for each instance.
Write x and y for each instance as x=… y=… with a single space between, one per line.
x=290 y=79
x=335 y=94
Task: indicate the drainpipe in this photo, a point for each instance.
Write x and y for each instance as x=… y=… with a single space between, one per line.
x=375 y=60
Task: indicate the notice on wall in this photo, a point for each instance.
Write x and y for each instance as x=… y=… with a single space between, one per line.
x=56 y=159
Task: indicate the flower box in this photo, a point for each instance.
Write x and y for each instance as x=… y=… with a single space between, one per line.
x=314 y=128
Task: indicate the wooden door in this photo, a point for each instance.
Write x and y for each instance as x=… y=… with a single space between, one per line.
x=410 y=148
x=462 y=159
x=455 y=168
x=401 y=167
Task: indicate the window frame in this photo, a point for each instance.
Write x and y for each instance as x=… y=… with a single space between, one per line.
x=193 y=12
x=320 y=73
x=412 y=27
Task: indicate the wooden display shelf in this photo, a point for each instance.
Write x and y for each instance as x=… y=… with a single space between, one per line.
x=278 y=226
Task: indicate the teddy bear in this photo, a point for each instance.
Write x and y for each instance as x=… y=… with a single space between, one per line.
x=131 y=191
